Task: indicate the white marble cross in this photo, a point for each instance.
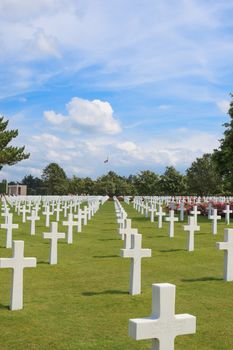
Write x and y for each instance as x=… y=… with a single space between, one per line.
x=24 y=210
x=171 y=219
x=195 y=212
x=9 y=227
x=152 y=213
x=70 y=223
x=127 y=232
x=181 y=210
x=191 y=228
x=58 y=210
x=54 y=235
x=215 y=217
x=47 y=214
x=79 y=222
x=163 y=326
x=17 y=263
x=227 y=213
x=160 y=215
x=33 y=218
x=136 y=253
x=227 y=246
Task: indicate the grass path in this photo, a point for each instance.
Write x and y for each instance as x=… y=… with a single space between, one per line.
x=83 y=302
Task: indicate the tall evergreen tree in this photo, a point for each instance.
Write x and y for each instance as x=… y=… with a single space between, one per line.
x=55 y=179
x=9 y=155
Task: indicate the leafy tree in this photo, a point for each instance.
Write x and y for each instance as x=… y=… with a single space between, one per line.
x=146 y=183
x=55 y=179
x=79 y=185
x=203 y=177
x=35 y=185
x=223 y=156
x=9 y=155
x=172 y=182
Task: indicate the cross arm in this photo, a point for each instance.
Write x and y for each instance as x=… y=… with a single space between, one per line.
x=185 y=324
x=143 y=328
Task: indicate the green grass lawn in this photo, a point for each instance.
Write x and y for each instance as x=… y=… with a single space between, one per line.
x=83 y=302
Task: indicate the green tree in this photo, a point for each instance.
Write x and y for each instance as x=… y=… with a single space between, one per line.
x=223 y=156
x=172 y=182
x=9 y=155
x=35 y=185
x=203 y=177
x=146 y=183
x=55 y=179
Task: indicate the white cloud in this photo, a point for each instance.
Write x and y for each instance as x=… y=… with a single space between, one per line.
x=224 y=106
x=88 y=115
x=54 y=118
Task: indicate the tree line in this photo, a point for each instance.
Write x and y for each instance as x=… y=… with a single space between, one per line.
x=211 y=174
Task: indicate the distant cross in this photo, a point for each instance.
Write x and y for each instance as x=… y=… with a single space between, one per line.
x=24 y=210
x=33 y=218
x=9 y=227
x=163 y=326
x=47 y=214
x=195 y=212
x=227 y=246
x=209 y=209
x=171 y=219
x=181 y=209
x=136 y=253
x=215 y=217
x=160 y=215
x=127 y=233
x=65 y=208
x=152 y=213
x=54 y=235
x=191 y=228
x=58 y=210
x=70 y=223
x=227 y=213
x=79 y=222
x=85 y=212
x=17 y=263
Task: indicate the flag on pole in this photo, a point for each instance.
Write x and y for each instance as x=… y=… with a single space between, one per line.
x=106 y=160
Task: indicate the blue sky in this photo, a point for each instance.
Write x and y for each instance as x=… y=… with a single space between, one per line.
x=145 y=83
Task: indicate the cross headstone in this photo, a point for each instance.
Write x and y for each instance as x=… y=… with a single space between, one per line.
x=181 y=210
x=152 y=213
x=171 y=219
x=160 y=215
x=227 y=213
x=79 y=222
x=24 y=210
x=195 y=212
x=17 y=263
x=9 y=227
x=127 y=232
x=136 y=253
x=227 y=246
x=47 y=214
x=70 y=223
x=33 y=218
x=191 y=228
x=58 y=210
x=163 y=326
x=215 y=217
x=54 y=235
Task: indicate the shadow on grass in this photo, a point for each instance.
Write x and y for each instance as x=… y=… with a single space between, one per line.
x=105 y=256
x=43 y=262
x=202 y=279
x=109 y=239
x=172 y=250
x=4 y=307
x=105 y=292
